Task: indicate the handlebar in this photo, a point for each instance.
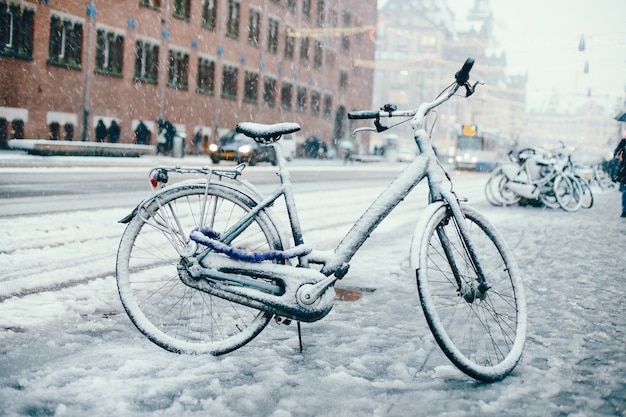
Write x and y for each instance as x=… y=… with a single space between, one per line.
x=389 y=110
x=462 y=76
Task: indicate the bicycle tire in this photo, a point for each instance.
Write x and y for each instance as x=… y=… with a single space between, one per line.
x=547 y=196
x=174 y=316
x=568 y=192
x=484 y=338
x=507 y=196
x=587 y=199
x=493 y=187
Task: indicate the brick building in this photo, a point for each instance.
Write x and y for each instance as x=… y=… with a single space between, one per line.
x=202 y=64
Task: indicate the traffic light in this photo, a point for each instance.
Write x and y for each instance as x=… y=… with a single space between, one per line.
x=470 y=130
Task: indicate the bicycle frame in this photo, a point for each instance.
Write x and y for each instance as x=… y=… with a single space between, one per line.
x=301 y=299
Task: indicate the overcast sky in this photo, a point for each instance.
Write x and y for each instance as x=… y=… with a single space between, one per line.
x=542 y=37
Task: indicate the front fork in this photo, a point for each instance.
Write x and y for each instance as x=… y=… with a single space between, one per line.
x=470 y=290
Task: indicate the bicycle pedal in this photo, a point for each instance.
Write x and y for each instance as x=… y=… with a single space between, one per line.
x=282 y=320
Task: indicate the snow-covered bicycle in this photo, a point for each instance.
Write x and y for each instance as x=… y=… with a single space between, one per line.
x=203 y=264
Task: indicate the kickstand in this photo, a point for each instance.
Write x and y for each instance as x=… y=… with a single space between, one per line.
x=300 y=336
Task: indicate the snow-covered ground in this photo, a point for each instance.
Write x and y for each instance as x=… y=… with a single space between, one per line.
x=68 y=349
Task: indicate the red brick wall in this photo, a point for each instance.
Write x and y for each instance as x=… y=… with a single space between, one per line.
x=41 y=88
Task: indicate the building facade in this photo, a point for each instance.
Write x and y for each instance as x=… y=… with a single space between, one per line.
x=422 y=47
x=204 y=65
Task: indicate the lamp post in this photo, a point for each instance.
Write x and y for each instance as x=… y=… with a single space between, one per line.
x=165 y=34
x=91 y=14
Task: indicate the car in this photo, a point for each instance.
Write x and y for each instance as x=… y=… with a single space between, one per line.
x=240 y=148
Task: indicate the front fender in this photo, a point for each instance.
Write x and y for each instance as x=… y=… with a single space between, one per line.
x=418 y=234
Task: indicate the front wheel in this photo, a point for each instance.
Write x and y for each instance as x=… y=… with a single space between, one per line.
x=587 y=194
x=481 y=328
x=171 y=314
x=568 y=192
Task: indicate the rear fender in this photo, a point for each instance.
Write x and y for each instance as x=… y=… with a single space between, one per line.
x=253 y=193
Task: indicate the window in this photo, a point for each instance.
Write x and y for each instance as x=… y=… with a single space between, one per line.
x=232 y=20
x=301 y=99
x=253 y=27
x=304 y=51
x=332 y=18
x=16 y=31
x=178 y=69
x=272 y=37
x=328 y=105
x=318 y=55
x=229 y=82
x=251 y=87
x=289 y=45
x=209 y=13
x=315 y=103
x=66 y=41
x=345 y=40
x=181 y=9
x=109 y=53
x=331 y=58
x=286 y=94
x=321 y=13
x=153 y=4
x=343 y=80
x=306 y=9
x=269 y=91
x=206 y=76
x=146 y=61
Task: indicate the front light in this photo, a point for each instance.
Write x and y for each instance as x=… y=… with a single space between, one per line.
x=213 y=147
x=244 y=149
x=459 y=158
x=474 y=159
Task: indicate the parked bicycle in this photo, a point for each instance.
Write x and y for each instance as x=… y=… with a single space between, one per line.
x=537 y=175
x=203 y=266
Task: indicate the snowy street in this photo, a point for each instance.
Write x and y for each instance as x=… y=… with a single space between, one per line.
x=67 y=348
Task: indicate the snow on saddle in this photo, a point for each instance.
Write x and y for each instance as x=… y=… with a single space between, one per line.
x=264 y=133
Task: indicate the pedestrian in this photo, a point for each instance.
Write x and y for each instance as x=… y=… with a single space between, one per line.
x=167 y=131
x=198 y=141
x=141 y=133
x=101 y=131
x=114 y=132
x=620 y=174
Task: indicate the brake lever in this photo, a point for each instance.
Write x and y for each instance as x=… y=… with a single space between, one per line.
x=470 y=89
x=363 y=129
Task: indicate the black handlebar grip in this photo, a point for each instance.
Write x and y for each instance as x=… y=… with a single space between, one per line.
x=364 y=114
x=462 y=76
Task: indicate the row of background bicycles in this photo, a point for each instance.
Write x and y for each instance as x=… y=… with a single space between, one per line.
x=536 y=176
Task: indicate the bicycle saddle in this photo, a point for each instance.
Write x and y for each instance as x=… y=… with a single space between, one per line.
x=264 y=133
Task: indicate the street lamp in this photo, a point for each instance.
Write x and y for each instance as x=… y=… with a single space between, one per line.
x=91 y=14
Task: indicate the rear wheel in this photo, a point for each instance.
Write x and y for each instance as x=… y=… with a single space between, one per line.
x=171 y=314
x=480 y=328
